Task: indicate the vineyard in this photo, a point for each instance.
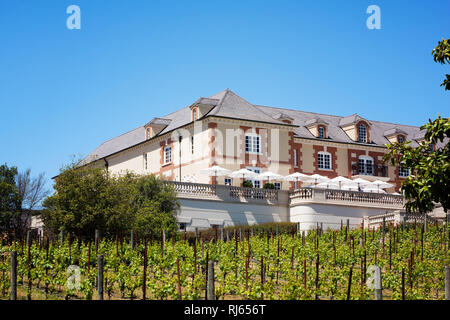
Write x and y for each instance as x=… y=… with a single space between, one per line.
x=267 y=264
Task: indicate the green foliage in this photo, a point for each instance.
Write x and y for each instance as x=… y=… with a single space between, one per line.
x=430 y=180
x=247 y=184
x=269 y=185
x=9 y=198
x=88 y=198
x=441 y=54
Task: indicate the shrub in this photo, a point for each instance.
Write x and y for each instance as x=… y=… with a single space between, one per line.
x=269 y=185
x=247 y=184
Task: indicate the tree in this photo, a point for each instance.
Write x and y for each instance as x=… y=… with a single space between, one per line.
x=430 y=161
x=32 y=190
x=429 y=182
x=9 y=199
x=156 y=204
x=89 y=198
x=441 y=54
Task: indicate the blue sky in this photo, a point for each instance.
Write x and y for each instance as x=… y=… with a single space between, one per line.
x=64 y=92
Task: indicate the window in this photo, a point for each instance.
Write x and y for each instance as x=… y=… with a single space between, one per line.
x=256 y=183
x=365 y=165
x=277 y=185
x=194 y=114
x=149 y=133
x=403 y=172
x=324 y=160
x=295 y=158
x=362 y=133
x=400 y=139
x=167 y=154
x=192 y=144
x=253 y=143
x=228 y=182
x=145 y=161
x=295 y=185
x=431 y=147
x=321 y=132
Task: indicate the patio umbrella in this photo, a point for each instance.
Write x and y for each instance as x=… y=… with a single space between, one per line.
x=269 y=175
x=316 y=178
x=372 y=188
x=350 y=187
x=361 y=182
x=215 y=171
x=296 y=176
x=243 y=173
x=328 y=185
x=340 y=180
x=382 y=185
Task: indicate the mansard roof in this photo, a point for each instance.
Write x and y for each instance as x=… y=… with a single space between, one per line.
x=228 y=104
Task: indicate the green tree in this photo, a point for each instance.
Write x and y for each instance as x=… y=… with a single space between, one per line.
x=156 y=205
x=430 y=161
x=441 y=54
x=89 y=198
x=9 y=200
x=429 y=182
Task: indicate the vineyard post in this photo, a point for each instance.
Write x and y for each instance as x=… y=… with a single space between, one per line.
x=100 y=277
x=144 y=280
x=221 y=234
x=447 y=282
x=28 y=237
x=211 y=291
x=13 y=275
x=132 y=240
x=61 y=237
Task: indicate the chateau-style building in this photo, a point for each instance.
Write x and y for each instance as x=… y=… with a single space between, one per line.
x=226 y=130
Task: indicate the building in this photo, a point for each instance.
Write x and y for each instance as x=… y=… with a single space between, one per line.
x=226 y=130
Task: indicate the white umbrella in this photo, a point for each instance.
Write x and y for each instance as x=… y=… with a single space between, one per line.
x=372 y=188
x=361 y=182
x=269 y=175
x=339 y=180
x=244 y=173
x=296 y=176
x=350 y=187
x=382 y=185
x=215 y=171
x=316 y=178
x=328 y=185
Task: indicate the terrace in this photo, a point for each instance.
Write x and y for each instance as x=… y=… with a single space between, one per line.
x=198 y=191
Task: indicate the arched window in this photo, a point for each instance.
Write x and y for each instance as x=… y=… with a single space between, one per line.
x=321 y=132
x=365 y=165
x=194 y=114
x=149 y=133
x=324 y=160
x=400 y=139
x=362 y=133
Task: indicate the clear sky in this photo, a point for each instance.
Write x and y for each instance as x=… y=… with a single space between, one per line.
x=64 y=92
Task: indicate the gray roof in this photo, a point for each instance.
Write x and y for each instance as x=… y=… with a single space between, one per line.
x=230 y=105
x=393 y=131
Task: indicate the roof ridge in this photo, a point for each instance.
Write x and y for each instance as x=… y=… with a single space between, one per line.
x=333 y=115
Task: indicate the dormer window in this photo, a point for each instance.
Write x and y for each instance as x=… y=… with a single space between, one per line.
x=194 y=113
x=362 y=133
x=148 y=133
x=400 y=139
x=322 y=134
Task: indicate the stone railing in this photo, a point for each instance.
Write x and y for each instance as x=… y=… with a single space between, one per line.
x=398 y=217
x=285 y=198
x=366 y=197
x=344 y=197
x=189 y=188
x=254 y=193
x=227 y=193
